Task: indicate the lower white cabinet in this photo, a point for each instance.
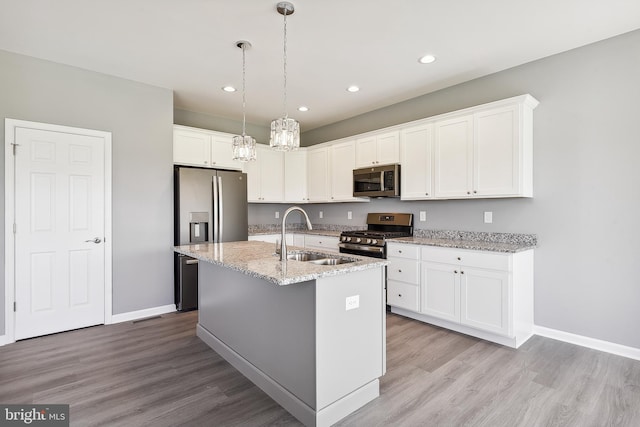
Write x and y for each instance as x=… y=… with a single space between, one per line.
x=323 y=243
x=484 y=294
x=292 y=239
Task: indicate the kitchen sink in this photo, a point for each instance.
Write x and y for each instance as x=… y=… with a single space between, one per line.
x=305 y=256
x=331 y=261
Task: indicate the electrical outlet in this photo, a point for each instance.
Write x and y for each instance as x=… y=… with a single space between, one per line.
x=349 y=215
x=488 y=217
x=320 y=215
x=277 y=214
x=423 y=216
x=352 y=302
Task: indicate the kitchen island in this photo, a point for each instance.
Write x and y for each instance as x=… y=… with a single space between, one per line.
x=311 y=336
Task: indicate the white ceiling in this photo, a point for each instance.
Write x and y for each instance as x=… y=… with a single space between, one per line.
x=189 y=46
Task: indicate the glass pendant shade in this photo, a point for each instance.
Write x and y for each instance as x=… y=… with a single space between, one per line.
x=244 y=148
x=285 y=134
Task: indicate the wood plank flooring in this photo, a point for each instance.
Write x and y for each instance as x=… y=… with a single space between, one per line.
x=157 y=372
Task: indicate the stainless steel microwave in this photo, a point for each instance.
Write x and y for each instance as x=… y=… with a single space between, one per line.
x=378 y=181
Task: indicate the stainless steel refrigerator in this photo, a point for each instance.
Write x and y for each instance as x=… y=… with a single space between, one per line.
x=210 y=206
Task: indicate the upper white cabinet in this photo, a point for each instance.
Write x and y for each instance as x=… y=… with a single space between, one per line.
x=378 y=149
x=200 y=147
x=265 y=176
x=487 y=152
x=416 y=162
x=317 y=174
x=295 y=176
x=342 y=162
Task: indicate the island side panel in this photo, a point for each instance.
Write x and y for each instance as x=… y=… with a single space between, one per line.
x=349 y=343
x=271 y=326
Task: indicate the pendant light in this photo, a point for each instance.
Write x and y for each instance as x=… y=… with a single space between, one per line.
x=285 y=131
x=244 y=146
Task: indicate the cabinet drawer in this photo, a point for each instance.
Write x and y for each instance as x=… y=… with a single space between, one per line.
x=321 y=242
x=403 y=295
x=490 y=260
x=404 y=270
x=399 y=250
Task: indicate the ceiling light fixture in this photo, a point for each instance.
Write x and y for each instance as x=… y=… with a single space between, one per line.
x=285 y=132
x=427 y=59
x=303 y=108
x=228 y=88
x=353 y=89
x=244 y=146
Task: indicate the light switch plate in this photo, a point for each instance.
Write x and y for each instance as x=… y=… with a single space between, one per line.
x=423 y=216
x=488 y=217
x=349 y=215
x=320 y=215
x=277 y=214
x=352 y=302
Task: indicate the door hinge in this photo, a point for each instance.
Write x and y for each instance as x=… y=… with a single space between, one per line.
x=14 y=145
x=14 y=228
x=14 y=306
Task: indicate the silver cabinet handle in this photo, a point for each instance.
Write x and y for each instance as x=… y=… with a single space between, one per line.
x=191 y=261
x=94 y=240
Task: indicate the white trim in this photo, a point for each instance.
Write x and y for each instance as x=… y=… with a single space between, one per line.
x=593 y=343
x=141 y=314
x=4 y=340
x=9 y=200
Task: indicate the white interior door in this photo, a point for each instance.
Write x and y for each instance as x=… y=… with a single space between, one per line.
x=60 y=231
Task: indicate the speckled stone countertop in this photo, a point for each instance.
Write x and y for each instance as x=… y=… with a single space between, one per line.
x=257 y=259
x=322 y=229
x=478 y=241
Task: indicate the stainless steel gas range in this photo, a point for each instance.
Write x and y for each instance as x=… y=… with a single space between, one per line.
x=372 y=242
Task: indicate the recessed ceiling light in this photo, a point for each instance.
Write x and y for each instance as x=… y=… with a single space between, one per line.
x=303 y=108
x=228 y=88
x=427 y=59
x=353 y=88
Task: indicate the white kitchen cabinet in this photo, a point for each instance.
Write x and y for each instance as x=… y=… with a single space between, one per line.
x=453 y=157
x=317 y=174
x=265 y=176
x=200 y=147
x=295 y=176
x=291 y=238
x=378 y=149
x=342 y=161
x=485 y=294
x=488 y=153
x=403 y=276
x=322 y=243
x=416 y=162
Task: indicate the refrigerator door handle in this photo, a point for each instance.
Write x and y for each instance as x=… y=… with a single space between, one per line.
x=220 y=209
x=215 y=226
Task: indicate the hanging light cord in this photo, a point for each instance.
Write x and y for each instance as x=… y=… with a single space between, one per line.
x=285 y=65
x=244 y=99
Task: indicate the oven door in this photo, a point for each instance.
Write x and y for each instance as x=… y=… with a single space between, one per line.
x=363 y=250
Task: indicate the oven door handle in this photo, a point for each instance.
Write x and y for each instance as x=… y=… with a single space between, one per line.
x=347 y=246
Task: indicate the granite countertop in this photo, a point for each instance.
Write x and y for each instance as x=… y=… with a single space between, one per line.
x=331 y=233
x=257 y=259
x=478 y=241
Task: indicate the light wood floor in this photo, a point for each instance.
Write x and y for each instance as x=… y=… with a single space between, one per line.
x=157 y=372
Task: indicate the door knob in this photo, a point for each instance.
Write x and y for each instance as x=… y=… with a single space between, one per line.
x=94 y=240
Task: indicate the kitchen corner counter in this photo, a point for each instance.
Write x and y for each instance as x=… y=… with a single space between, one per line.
x=478 y=241
x=257 y=259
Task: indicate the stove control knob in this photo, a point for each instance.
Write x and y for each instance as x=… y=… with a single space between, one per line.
x=374 y=242
x=343 y=238
x=358 y=240
x=348 y=239
x=368 y=241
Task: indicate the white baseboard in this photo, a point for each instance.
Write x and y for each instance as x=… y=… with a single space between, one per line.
x=141 y=314
x=4 y=340
x=596 y=344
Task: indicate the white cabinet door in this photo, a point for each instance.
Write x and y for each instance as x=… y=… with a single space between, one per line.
x=496 y=152
x=388 y=148
x=378 y=149
x=453 y=162
x=341 y=165
x=440 y=289
x=403 y=295
x=295 y=176
x=417 y=163
x=323 y=243
x=265 y=176
x=317 y=171
x=222 y=152
x=484 y=300
x=191 y=147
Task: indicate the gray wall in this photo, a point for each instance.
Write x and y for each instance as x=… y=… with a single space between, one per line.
x=586 y=201
x=140 y=118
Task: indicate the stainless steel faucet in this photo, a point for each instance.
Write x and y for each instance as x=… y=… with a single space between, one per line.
x=283 y=244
